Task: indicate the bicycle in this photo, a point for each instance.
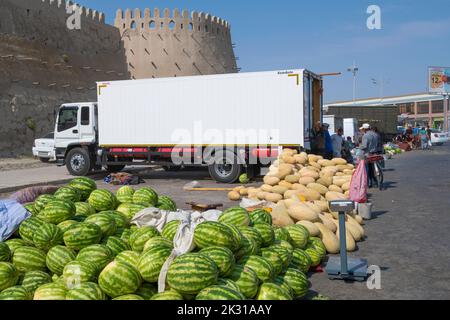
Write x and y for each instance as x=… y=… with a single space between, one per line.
x=377 y=160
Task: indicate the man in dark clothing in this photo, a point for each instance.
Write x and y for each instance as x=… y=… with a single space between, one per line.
x=318 y=140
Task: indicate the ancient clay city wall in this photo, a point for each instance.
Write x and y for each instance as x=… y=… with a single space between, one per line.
x=44 y=64
x=169 y=43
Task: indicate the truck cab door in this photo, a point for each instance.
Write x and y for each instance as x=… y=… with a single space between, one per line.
x=67 y=129
x=87 y=124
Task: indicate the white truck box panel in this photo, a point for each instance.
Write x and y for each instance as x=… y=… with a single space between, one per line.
x=334 y=122
x=201 y=110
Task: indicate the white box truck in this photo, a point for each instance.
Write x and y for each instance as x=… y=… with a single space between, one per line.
x=334 y=122
x=232 y=123
x=351 y=128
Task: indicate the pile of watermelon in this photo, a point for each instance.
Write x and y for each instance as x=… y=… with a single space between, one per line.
x=79 y=245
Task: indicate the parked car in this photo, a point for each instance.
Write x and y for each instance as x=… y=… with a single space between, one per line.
x=44 y=148
x=438 y=137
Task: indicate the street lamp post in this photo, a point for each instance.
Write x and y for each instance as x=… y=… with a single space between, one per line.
x=354 y=70
x=380 y=83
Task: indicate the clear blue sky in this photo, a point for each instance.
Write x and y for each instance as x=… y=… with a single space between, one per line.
x=327 y=36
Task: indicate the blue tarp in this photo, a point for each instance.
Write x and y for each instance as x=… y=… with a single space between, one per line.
x=11 y=216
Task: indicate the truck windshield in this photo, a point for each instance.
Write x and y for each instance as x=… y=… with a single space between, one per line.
x=67 y=118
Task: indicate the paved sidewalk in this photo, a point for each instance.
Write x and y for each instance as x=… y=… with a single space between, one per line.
x=16 y=179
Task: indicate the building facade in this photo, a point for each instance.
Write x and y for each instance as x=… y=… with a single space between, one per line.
x=414 y=109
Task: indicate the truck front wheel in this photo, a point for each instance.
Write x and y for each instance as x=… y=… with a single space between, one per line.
x=78 y=162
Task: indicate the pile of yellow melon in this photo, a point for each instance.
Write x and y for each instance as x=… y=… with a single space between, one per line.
x=300 y=186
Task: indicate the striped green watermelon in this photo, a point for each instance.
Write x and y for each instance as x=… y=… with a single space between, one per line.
x=125 y=236
x=274 y=258
x=166 y=203
x=86 y=291
x=301 y=260
x=68 y=194
x=120 y=219
x=116 y=245
x=151 y=262
x=146 y=196
x=273 y=291
x=15 y=293
x=84 y=186
x=211 y=234
x=314 y=255
x=106 y=223
x=284 y=254
x=29 y=259
x=34 y=279
x=97 y=254
x=158 y=241
x=317 y=244
x=13 y=244
x=147 y=290
x=192 y=272
x=218 y=292
x=284 y=244
x=260 y=216
x=27 y=229
x=41 y=201
x=281 y=234
x=65 y=225
x=76 y=272
x=118 y=279
x=51 y=291
x=30 y=208
x=170 y=229
x=57 y=211
x=5 y=252
x=128 y=256
x=140 y=236
x=262 y=267
x=78 y=218
x=58 y=257
x=228 y=283
x=248 y=247
x=222 y=257
x=81 y=235
x=251 y=232
x=102 y=200
x=129 y=210
x=125 y=194
x=298 y=281
x=246 y=279
x=266 y=232
x=129 y=297
x=168 y=295
x=9 y=275
x=299 y=235
x=237 y=235
x=84 y=209
x=47 y=236
x=236 y=216
x=279 y=280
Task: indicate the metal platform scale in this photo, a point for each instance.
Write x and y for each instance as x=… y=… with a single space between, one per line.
x=343 y=268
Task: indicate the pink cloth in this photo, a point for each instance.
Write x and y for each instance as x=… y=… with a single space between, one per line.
x=358 y=184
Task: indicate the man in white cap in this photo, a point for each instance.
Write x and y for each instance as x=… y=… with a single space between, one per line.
x=369 y=145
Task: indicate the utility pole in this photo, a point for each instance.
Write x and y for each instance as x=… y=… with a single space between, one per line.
x=354 y=70
x=446 y=106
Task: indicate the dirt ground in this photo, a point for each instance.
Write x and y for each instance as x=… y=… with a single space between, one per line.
x=7 y=164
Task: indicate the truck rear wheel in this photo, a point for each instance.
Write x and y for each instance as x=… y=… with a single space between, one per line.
x=78 y=162
x=226 y=170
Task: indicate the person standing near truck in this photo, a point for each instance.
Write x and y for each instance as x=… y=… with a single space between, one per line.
x=328 y=143
x=337 y=140
x=369 y=146
x=318 y=140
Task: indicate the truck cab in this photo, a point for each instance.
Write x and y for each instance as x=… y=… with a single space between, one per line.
x=76 y=133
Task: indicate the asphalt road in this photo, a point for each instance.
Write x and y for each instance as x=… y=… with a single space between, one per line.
x=408 y=238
